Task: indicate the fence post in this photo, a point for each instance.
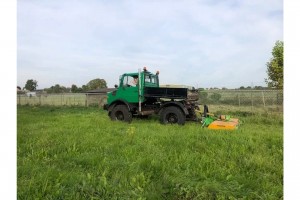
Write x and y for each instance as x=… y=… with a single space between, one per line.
x=251 y=100
x=263 y=97
x=86 y=100
x=99 y=102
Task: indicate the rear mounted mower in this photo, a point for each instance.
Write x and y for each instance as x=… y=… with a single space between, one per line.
x=221 y=122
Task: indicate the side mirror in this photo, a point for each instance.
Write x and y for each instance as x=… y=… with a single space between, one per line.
x=116 y=86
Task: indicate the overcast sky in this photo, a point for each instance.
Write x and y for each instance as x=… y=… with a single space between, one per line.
x=204 y=43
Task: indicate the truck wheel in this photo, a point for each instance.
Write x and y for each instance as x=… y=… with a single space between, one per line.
x=121 y=113
x=172 y=115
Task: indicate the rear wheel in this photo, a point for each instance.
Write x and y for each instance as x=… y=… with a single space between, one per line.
x=172 y=115
x=121 y=113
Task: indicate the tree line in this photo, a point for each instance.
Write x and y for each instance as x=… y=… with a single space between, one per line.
x=97 y=83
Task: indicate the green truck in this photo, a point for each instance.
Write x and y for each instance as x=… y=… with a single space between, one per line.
x=139 y=94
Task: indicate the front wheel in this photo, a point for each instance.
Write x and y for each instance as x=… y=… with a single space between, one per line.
x=121 y=113
x=172 y=115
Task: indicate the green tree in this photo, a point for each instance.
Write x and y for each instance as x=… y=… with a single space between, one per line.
x=84 y=88
x=57 y=89
x=96 y=84
x=258 y=87
x=74 y=88
x=31 y=85
x=275 y=67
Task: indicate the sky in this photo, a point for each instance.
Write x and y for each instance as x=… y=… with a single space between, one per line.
x=203 y=43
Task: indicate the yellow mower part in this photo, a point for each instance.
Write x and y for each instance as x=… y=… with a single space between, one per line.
x=232 y=124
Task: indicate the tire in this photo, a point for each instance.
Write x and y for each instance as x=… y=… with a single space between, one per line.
x=172 y=115
x=121 y=113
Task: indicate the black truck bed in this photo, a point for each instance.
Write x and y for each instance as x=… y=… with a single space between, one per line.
x=172 y=93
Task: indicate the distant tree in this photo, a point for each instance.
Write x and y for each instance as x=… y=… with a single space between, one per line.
x=74 y=88
x=84 y=88
x=224 y=88
x=96 y=84
x=249 y=87
x=64 y=89
x=79 y=90
x=57 y=89
x=275 y=67
x=258 y=87
x=18 y=87
x=242 y=88
x=31 y=85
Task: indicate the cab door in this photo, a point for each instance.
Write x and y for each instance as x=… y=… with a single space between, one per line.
x=129 y=91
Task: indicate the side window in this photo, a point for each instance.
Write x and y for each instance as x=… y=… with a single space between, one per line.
x=130 y=80
x=154 y=79
x=150 y=79
x=147 y=79
x=127 y=81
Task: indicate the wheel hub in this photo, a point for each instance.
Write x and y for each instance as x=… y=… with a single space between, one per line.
x=172 y=118
x=119 y=116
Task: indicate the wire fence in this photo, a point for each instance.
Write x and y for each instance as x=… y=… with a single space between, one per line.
x=271 y=100
x=63 y=99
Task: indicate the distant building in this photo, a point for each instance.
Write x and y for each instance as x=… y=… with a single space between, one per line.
x=31 y=94
x=35 y=93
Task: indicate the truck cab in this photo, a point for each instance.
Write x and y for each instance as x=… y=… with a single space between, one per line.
x=130 y=93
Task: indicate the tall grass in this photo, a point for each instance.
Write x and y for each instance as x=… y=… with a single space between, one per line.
x=78 y=153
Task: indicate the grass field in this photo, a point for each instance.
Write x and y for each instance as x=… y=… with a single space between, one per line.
x=78 y=153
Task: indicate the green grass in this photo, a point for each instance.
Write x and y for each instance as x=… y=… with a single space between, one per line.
x=78 y=153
